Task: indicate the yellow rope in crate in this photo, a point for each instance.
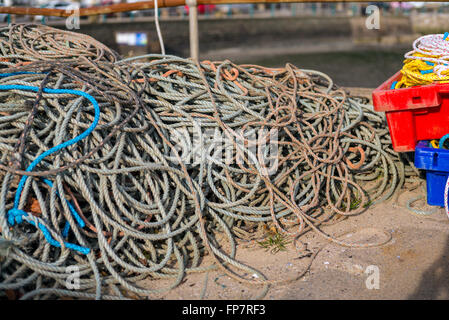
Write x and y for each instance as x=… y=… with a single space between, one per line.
x=427 y=63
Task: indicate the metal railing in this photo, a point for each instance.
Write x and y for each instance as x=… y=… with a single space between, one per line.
x=145 y=5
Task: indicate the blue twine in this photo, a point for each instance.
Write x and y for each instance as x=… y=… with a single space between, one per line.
x=426 y=71
x=3 y=75
x=393 y=85
x=72 y=211
x=15 y=215
x=429 y=63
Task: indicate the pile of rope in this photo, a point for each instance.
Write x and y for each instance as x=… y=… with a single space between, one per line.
x=427 y=63
x=93 y=176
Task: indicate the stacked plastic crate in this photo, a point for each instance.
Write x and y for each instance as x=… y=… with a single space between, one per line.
x=415 y=116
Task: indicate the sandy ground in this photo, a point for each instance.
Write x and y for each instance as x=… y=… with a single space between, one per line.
x=412 y=265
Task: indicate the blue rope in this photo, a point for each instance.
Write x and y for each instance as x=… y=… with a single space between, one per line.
x=426 y=71
x=3 y=75
x=15 y=215
x=72 y=211
x=442 y=140
x=393 y=85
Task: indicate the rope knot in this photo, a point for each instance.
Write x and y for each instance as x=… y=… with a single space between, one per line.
x=16 y=215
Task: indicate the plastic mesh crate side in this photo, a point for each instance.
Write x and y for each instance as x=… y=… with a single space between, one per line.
x=436 y=182
x=428 y=158
x=417 y=97
x=436 y=163
x=402 y=130
x=414 y=113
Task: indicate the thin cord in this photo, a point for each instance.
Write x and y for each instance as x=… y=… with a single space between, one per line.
x=158 y=28
x=446 y=188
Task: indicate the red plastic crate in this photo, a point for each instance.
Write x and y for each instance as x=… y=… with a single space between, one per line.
x=414 y=113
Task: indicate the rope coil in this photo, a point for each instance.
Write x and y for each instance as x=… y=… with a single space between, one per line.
x=130 y=198
x=427 y=63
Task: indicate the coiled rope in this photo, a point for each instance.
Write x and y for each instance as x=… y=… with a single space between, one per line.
x=16 y=215
x=146 y=211
x=427 y=63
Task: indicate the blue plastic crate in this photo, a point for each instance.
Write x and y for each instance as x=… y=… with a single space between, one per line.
x=436 y=163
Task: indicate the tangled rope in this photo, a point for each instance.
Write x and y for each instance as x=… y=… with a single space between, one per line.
x=125 y=203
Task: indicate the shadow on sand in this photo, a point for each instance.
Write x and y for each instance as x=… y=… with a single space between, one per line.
x=435 y=280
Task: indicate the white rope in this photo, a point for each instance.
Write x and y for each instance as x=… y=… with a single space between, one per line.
x=433 y=44
x=446 y=207
x=158 y=29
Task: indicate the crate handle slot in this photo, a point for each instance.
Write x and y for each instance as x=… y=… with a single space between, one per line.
x=435 y=159
x=416 y=99
x=421 y=111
